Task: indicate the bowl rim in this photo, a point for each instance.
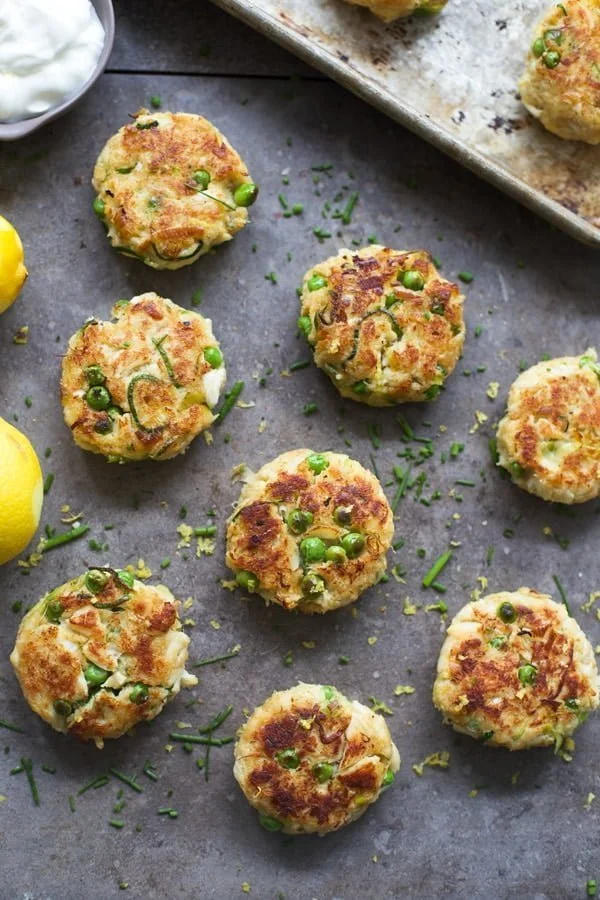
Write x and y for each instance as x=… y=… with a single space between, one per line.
x=12 y=131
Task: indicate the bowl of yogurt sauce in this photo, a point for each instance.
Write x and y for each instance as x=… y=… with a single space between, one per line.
x=51 y=53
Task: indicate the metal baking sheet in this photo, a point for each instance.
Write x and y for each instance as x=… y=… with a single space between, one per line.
x=453 y=80
x=525 y=834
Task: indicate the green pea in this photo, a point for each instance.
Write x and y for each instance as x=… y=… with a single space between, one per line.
x=298 y=520
x=98 y=398
x=139 y=693
x=412 y=280
x=336 y=555
x=313 y=549
x=507 y=612
x=213 y=357
x=54 y=610
x=202 y=178
x=571 y=703
x=245 y=194
x=388 y=778
x=269 y=824
x=527 y=674
x=323 y=772
x=305 y=325
x=551 y=59
x=126 y=578
x=96 y=580
x=289 y=759
x=518 y=470
x=317 y=462
x=316 y=282
x=247 y=580
x=390 y=300
x=312 y=586
x=498 y=642
x=99 y=207
x=104 y=426
x=63 y=707
x=353 y=544
x=361 y=387
x=538 y=47
x=94 y=675
x=554 y=34
x=343 y=515
x=94 y=375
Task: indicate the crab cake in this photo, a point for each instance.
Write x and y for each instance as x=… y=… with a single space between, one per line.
x=383 y=324
x=549 y=439
x=170 y=188
x=310 y=760
x=310 y=531
x=561 y=82
x=388 y=10
x=143 y=386
x=516 y=671
x=100 y=654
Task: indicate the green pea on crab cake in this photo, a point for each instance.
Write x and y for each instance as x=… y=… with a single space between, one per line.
x=383 y=324
x=549 y=438
x=170 y=187
x=389 y=10
x=311 y=761
x=144 y=385
x=310 y=531
x=561 y=82
x=516 y=671
x=101 y=653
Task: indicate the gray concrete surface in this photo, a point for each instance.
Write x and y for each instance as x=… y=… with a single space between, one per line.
x=535 y=292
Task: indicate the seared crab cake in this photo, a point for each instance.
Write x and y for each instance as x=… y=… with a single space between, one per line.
x=516 y=671
x=561 y=82
x=170 y=187
x=310 y=760
x=143 y=386
x=100 y=654
x=310 y=531
x=549 y=439
x=383 y=324
x=388 y=10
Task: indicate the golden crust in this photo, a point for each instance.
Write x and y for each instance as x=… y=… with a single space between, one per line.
x=375 y=349
x=322 y=727
x=388 y=10
x=153 y=208
x=525 y=683
x=161 y=386
x=561 y=83
x=129 y=629
x=549 y=439
x=260 y=542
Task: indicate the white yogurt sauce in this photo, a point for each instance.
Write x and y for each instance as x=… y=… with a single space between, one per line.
x=48 y=49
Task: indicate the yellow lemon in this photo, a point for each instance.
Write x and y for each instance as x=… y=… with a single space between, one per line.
x=12 y=268
x=21 y=491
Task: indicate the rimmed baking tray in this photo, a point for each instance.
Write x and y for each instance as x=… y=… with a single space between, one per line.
x=452 y=79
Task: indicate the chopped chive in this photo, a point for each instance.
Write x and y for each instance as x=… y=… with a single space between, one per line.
x=28 y=767
x=217 y=721
x=398 y=544
x=229 y=402
x=406 y=428
x=464 y=482
x=309 y=409
x=346 y=216
x=441 y=589
x=150 y=771
x=373 y=431
x=562 y=592
x=65 y=538
x=467 y=277
x=200 y=739
x=131 y=782
x=72 y=806
x=490 y=554
x=343 y=660
x=401 y=487
x=48 y=482
x=51 y=770
x=215 y=659
x=165 y=563
x=183 y=512
x=168 y=811
x=16 y=770
x=5 y=724
x=440 y=563
x=205 y=531
x=116 y=823
x=197 y=297
x=299 y=364
x=374 y=465
x=455 y=449
x=98 y=782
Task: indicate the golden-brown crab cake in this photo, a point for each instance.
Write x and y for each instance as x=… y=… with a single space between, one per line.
x=310 y=531
x=516 y=671
x=311 y=761
x=561 y=82
x=549 y=439
x=388 y=10
x=143 y=386
x=101 y=653
x=383 y=324
x=170 y=187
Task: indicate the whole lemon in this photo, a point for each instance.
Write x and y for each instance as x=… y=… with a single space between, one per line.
x=12 y=268
x=21 y=491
